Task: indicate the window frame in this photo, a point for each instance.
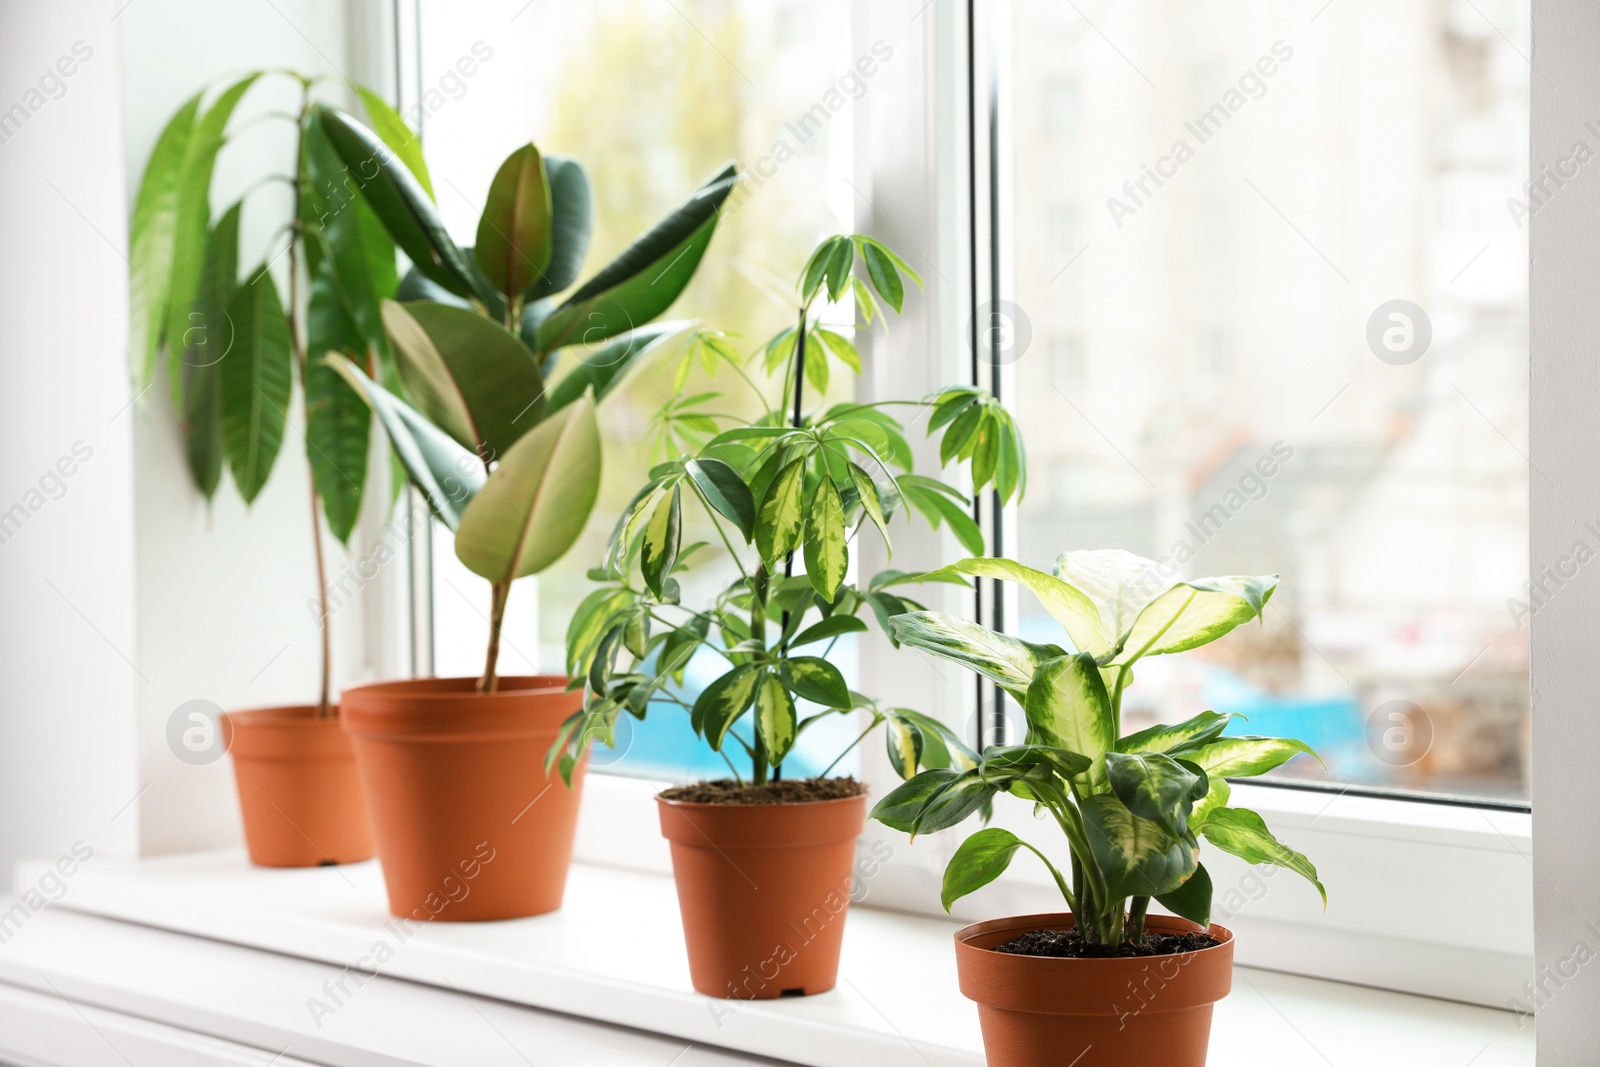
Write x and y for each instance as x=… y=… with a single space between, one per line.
x=931 y=150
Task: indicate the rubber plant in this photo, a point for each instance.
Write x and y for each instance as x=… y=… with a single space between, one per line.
x=508 y=459
x=1132 y=807
x=235 y=347
x=788 y=482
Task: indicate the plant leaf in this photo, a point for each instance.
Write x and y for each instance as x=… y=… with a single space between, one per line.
x=472 y=377
x=979 y=860
x=934 y=800
x=338 y=429
x=1243 y=833
x=1154 y=787
x=827 y=556
x=1246 y=756
x=1204 y=727
x=1077 y=613
x=1191 y=614
x=403 y=205
x=514 y=242
x=536 y=502
x=722 y=702
x=780 y=516
x=832 y=626
x=1192 y=899
x=725 y=491
x=394 y=132
x=256 y=379
x=571 y=225
x=446 y=474
x=1006 y=660
x=646 y=278
x=1136 y=856
x=776 y=722
x=205 y=343
x=815 y=679
x=1068 y=707
x=885 y=279
x=662 y=535
x=150 y=244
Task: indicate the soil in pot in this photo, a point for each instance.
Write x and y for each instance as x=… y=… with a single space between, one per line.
x=764 y=881
x=1070 y=944
x=1112 y=1011
x=468 y=825
x=299 y=794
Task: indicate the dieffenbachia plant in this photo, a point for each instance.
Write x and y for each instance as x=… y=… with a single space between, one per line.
x=235 y=346
x=785 y=483
x=1132 y=807
x=508 y=459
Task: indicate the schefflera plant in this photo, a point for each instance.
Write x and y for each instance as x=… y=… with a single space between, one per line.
x=1132 y=807
x=235 y=345
x=509 y=459
x=787 y=482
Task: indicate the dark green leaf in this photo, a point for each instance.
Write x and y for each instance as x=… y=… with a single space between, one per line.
x=389 y=126
x=150 y=242
x=205 y=342
x=725 y=491
x=514 y=232
x=885 y=279
x=815 y=679
x=256 y=381
x=1155 y=787
x=722 y=702
x=338 y=427
x=571 y=224
x=1135 y=855
x=831 y=627
x=1192 y=899
x=661 y=539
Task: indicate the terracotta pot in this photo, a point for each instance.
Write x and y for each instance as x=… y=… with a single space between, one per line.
x=468 y=825
x=1043 y=1012
x=764 y=890
x=298 y=790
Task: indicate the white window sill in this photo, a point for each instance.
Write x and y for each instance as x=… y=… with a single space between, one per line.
x=614 y=954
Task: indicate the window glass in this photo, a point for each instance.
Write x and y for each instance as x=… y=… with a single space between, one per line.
x=1273 y=258
x=653 y=99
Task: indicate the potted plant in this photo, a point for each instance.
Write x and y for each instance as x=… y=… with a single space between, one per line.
x=468 y=825
x=763 y=862
x=1132 y=808
x=235 y=348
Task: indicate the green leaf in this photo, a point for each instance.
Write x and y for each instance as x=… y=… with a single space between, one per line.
x=256 y=380
x=205 y=343
x=1192 y=899
x=827 y=557
x=336 y=242
x=338 y=428
x=1155 y=787
x=961 y=433
x=725 y=491
x=535 y=504
x=1204 y=727
x=605 y=368
x=831 y=627
x=1006 y=660
x=722 y=702
x=645 y=280
x=192 y=221
x=968 y=532
x=1135 y=855
x=590 y=620
x=815 y=679
x=1243 y=833
x=816 y=267
x=840 y=346
x=904 y=741
x=1246 y=756
x=1191 y=614
x=885 y=279
x=514 y=241
x=394 y=132
x=1011 y=465
x=571 y=224
x=776 y=722
x=940 y=745
x=779 y=518
x=472 y=377
x=405 y=208
x=1218 y=793
x=1077 y=613
x=446 y=474
x=981 y=859
x=150 y=244
x=837 y=272
x=934 y=800
x=1068 y=707
x=662 y=535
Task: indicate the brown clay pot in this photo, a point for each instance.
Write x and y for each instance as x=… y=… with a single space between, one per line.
x=298 y=790
x=1042 y=1012
x=468 y=825
x=764 y=890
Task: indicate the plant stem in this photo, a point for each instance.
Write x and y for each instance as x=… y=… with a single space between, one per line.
x=788 y=560
x=1136 y=912
x=296 y=235
x=758 y=633
x=499 y=593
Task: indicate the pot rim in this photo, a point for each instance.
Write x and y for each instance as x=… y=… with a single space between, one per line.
x=456 y=687
x=1065 y=920
x=291 y=715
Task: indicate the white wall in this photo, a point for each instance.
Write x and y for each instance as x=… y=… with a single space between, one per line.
x=67 y=637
